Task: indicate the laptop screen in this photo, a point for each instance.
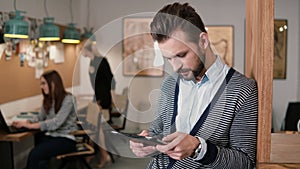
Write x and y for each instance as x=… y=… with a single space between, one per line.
x=3 y=124
x=10 y=129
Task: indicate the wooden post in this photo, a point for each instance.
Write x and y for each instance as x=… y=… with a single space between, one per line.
x=259 y=65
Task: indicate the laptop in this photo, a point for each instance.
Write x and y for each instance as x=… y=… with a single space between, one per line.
x=10 y=129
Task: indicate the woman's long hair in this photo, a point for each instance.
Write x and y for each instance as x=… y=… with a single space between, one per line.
x=56 y=94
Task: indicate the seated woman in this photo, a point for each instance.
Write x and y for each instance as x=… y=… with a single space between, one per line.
x=56 y=120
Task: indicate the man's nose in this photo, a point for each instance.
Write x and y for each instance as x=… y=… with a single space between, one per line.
x=177 y=64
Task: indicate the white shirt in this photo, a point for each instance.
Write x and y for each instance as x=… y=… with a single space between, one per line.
x=194 y=97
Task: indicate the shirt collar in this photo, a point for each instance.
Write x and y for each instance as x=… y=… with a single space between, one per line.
x=211 y=74
x=215 y=69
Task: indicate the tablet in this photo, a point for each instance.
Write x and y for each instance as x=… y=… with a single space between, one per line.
x=147 y=141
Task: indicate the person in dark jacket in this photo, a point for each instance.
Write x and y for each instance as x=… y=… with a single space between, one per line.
x=101 y=76
x=103 y=84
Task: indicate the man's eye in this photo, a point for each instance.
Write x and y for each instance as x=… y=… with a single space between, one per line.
x=181 y=55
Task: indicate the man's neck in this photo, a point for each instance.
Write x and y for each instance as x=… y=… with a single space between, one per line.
x=210 y=58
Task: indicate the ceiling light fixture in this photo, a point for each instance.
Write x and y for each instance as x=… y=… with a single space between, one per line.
x=71 y=35
x=16 y=27
x=49 y=31
x=88 y=33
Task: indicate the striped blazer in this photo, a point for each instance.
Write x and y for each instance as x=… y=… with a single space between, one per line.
x=229 y=125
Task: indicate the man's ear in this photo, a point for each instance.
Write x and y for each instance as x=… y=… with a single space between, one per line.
x=203 y=40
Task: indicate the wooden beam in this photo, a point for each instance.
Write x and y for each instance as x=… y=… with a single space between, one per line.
x=278 y=166
x=259 y=65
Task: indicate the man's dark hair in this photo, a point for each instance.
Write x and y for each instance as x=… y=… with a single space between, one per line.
x=174 y=17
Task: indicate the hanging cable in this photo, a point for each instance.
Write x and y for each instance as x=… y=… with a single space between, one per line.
x=88 y=15
x=71 y=35
x=48 y=31
x=71 y=10
x=15 y=5
x=88 y=31
x=45 y=7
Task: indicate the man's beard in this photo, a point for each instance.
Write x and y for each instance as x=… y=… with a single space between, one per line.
x=199 y=69
x=195 y=72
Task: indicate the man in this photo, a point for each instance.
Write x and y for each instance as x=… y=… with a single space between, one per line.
x=207 y=111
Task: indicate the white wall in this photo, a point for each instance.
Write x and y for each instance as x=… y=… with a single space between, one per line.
x=60 y=10
x=108 y=25
x=106 y=18
x=298 y=98
x=230 y=12
x=285 y=90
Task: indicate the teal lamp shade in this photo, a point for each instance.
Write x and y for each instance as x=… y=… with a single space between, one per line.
x=71 y=35
x=49 y=31
x=16 y=27
x=88 y=34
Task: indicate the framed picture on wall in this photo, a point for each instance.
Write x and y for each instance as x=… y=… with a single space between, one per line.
x=221 y=38
x=138 y=49
x=280 y=47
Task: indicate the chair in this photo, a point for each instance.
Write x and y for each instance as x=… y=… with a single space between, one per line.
x=119 y=111
x=292 y=116
x=89 y=131
x=121 y=102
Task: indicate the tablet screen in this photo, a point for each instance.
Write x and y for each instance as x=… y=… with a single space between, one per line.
x=149 y=141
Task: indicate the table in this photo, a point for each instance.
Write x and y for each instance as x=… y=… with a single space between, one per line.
x=277 y=166
x=13 y=147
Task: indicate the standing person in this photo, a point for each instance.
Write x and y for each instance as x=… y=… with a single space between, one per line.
x=56 y=120
x=207 y=111
x=101 y=76
x=103 y=84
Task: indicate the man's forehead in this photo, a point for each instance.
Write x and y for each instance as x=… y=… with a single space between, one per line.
x=174 y=44
x=179 y=35
x=172 y=47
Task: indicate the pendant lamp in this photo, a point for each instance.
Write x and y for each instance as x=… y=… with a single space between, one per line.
x=71 y=35
x=49 y=31
x=16 y=27
x=88 y=34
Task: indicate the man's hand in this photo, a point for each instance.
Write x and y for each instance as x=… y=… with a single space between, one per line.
x=139 y=149
x=180 y=145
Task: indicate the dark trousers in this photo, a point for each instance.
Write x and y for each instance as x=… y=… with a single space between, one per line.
x=47 y=147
